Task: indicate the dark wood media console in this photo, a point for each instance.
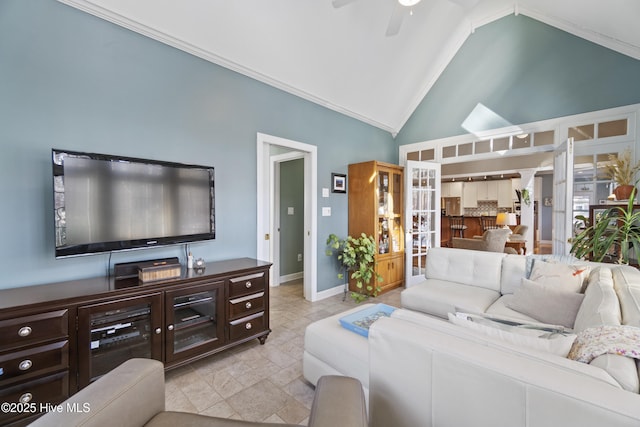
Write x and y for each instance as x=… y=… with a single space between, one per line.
x=57 y=338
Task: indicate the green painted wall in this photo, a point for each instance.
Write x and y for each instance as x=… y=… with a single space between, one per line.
x=291 y=225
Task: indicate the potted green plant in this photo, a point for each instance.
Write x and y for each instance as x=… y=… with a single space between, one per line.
x=620 y=170
x=357 y=255
x=612 y=235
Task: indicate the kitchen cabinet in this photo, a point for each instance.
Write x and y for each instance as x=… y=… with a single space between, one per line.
x=505 y=199
x=469 y=195
x=451 y=189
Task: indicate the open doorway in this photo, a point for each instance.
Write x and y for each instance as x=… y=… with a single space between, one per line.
x=271 y=153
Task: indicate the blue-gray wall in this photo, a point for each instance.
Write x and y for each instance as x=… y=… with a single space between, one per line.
x=70 y=80
x=524 y=71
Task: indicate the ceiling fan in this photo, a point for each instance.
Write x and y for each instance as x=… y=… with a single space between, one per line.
x=401 y=9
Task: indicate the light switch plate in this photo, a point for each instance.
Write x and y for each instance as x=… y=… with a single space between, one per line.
x=326 y=211
x=290 y=210
x=325 y=192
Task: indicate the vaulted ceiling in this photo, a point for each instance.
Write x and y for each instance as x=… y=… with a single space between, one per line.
x=337 y=52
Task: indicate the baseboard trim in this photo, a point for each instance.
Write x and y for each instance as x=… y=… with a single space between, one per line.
x=328 y=293
x=292 y=276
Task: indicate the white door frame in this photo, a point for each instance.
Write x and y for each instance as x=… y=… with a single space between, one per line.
x=265 y=213
x=562 y=198
x=433 y=233
x=274 y=201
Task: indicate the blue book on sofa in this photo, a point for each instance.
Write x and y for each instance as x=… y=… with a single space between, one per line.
x=360 y=321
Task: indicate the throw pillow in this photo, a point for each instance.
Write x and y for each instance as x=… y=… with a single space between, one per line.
x=530 y=259
x=548 y=340
x=546 y=304
x=566 y=277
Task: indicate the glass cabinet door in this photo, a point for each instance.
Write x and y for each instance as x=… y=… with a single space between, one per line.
x=113 y=332
x=390 y=238
x=194 y=320
x=383 y=211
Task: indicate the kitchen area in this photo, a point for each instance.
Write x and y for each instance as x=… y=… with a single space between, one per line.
x=477 y=197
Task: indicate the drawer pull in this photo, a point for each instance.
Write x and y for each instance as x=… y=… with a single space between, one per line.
x=248 y=284
x=248 y=305
x=248 y=325
x=158 y=331
x=26 y=398
x=25 y=331
x=25 y=365
x=170 y=327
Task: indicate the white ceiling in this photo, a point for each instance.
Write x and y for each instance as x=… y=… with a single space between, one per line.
x=340 y=57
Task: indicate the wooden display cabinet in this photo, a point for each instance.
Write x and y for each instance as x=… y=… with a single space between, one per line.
x=376 y=209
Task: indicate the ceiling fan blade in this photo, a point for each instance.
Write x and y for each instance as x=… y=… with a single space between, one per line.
x=339 y=3
x=396 y=20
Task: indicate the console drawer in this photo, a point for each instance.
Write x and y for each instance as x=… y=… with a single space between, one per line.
x=26 y=330
x=245 y=285
x=247 y=326
x=24 y=364
x=243 y=306
x=52 y=389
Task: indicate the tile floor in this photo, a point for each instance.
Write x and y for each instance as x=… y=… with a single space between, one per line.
x=260 y=382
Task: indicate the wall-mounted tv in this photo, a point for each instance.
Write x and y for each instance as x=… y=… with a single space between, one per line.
x=108 y=203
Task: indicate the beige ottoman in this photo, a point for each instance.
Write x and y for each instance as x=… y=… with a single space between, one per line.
x=330 y=349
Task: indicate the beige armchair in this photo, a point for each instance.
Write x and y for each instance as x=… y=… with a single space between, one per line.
x=518 y=232
x=133 y=395
x=491 y=241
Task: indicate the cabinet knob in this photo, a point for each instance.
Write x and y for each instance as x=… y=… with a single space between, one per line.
x=26 y=398
x=170 y=327
x=248 y=305
x=25 y=331
x=248 y=284
x=158 y=331
x=248 y=325
x=25 y=365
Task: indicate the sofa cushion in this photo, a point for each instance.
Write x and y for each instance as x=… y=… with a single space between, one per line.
x=566 y=277
x=174 y=419
x=614 y=348
x=440 y=297
x=500 y=309
x=546 y=303
x=531 y=259
x=513 y=270
x=622 y=369
x=480 y=269
x=627 y=286
x=535 y=339
x=451 y=329
x=600 y=305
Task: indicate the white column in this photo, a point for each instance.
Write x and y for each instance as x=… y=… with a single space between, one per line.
x=526 y=211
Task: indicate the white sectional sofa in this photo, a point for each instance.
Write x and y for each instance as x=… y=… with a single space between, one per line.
x=420 y=369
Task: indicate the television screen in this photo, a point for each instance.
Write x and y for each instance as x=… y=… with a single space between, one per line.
x=109 y=203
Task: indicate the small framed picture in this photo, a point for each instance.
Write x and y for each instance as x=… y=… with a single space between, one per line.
x=338 y=183
x=548 y=201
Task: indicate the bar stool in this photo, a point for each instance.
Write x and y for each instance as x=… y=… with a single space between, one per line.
x=456 y=226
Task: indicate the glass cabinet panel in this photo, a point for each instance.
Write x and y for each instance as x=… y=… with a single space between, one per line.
x=111 y=333
x=390 y=235
x=194 y=317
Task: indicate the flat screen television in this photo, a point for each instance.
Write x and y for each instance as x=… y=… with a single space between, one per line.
x=106 y=203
